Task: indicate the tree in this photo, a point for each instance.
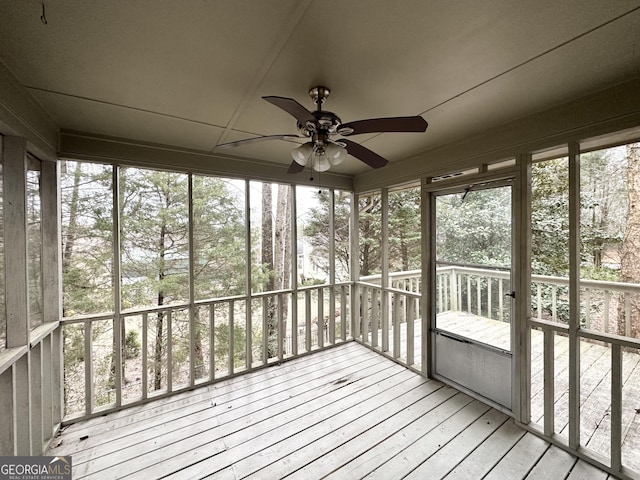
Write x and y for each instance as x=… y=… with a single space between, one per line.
x=404 y=230
x=630 y=257
x=315 y=230
x=370 y=228
x=474 y=227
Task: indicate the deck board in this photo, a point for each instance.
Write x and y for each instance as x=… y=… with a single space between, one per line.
x=342 y=413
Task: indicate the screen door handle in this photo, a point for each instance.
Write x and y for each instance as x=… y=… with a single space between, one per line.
x=512 y=294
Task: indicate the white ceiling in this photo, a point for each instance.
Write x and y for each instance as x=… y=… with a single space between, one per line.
x=191 y=73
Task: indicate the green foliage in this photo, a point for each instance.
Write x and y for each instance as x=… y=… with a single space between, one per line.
x=221 y=348
x=550 y=218
x=315 y=229
x=474 y=227
x=404 y=230
x=131 y=344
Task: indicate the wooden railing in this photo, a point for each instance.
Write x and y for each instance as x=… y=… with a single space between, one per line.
x=387 y=325
x=31 y=405
x=115 y=360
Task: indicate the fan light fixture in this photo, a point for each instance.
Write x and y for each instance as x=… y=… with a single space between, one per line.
x=323 y=156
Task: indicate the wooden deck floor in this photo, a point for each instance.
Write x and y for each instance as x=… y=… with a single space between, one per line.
x=345 y=413
x=595 y=382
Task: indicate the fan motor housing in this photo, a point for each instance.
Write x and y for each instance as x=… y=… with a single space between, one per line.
x=327 y=122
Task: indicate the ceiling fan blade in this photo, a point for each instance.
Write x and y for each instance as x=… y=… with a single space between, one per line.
x=295 y=167
x=247 y=141
x=362 y=153
x=293 y=108
x=389 y=124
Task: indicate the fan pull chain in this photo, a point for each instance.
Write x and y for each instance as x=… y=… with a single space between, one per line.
x=43 y=17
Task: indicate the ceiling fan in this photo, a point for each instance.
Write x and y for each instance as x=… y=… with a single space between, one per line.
x=321 y=126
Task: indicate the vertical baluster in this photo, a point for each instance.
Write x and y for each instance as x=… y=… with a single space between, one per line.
x=453 y=290
x=168 y=316
x=397 y=311
x=410 y=316
x=375 y=316
x=554 y=303
x=265 y=330
x=343 y=313
x=320 y=317
x=489 y=295
x=468 y=293
x=479 y=295
x=332 y=315
x=627 y=314
x=616 y=407
x=231 y=338
x=366 y=316
x=549 y=383
x=539 y=300
x=384 y=320
x=441 y=307
x=280 y=327
x=307 y=319
x=248 y=332
x=212 y=341
x=145 y=353
x=607 y=297
x=88 y=368
x=500 y=300
x=294 y=323
x=587 y=307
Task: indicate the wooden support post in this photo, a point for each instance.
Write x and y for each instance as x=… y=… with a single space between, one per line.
x=14 y=192
x=332 y=267
x=521 y=284
x=355 y=266
x=117 y=294
x=192 y=287
x=428 y=288
x=51 y=254
x=384 y=277
x=574 y=295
